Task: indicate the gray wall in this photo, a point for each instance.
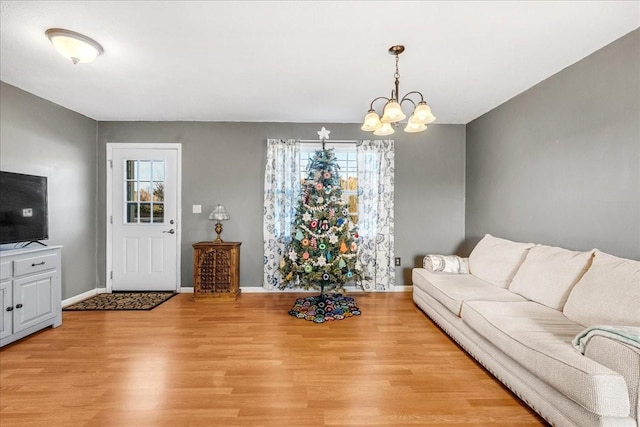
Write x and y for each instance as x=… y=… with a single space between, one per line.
x=42 y=138
x=560 y=163
x=224 y=163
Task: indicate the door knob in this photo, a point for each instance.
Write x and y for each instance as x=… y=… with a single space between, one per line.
x=172 y=231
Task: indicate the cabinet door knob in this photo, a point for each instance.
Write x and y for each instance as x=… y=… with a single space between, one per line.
x=9 y=308
x=18 y=305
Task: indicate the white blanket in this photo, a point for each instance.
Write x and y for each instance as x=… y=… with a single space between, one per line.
x=626 y=334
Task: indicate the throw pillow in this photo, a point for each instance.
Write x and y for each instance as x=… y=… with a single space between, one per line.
x=548 y=274
x=496 y=260
x=445 y=264
x=607 y=294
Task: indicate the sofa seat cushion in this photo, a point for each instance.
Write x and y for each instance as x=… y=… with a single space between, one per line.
x=539 y=338
x=451 y=290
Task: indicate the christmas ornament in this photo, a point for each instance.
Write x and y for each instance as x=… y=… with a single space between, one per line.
x=299 y=235
x=313 y=224
x=305 y=255
x=322 y=246
x=308 y=268
x=319 y=186
x=353 y=246
x=343 y=247
x=341 y=263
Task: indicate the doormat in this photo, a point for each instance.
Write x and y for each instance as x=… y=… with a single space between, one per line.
x=122 y=301
x=325 y=308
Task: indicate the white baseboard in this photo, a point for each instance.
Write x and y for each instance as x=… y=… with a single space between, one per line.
x=244 y=289
x=82 y=296
x=260 y=290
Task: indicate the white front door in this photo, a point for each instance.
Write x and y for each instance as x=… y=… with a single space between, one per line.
x=145 y=214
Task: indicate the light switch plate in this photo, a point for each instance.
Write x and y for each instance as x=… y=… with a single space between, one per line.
x=197 y=209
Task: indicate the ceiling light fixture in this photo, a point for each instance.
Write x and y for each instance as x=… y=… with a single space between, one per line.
x=392 y=112
x=75 y=46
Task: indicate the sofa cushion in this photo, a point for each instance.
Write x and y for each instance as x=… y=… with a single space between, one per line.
x=548 y=274
x=451 y=290
x=607 y=294
x=539 y=338
x=497 y=260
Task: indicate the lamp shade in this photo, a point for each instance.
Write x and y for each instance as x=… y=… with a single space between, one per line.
x=371 y=121
x=384 y=130
x=413 y=126
x=219 y=214
x=423 y=114
x=392 y=112
x=75 y=46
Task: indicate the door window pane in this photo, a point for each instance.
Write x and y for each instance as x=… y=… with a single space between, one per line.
x=144 y=191
x=132 y=213
x=145 y=212
x=144 y=170
x=158 y=191
x=132 y=191
x=158 y=213
x=131 y=168
x=158 y=170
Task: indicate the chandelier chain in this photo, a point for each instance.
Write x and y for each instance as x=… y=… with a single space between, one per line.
x=397 y=74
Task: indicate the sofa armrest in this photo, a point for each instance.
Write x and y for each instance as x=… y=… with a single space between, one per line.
x=621 y=358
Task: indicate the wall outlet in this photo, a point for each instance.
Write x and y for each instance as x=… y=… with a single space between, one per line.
x=398 y=261
x=27 y=213
x=196 y=209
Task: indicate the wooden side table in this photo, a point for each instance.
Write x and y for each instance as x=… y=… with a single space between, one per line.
x=216 y=270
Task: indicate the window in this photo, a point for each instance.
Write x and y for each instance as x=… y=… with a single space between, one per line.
x=144 y=181
x=347 y=158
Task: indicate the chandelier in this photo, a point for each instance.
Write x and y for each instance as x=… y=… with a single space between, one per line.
x=392 y=112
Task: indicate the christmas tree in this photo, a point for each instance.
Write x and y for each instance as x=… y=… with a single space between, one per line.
x=323 y=253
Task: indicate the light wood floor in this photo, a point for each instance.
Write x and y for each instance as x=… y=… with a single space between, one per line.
x=248 y=363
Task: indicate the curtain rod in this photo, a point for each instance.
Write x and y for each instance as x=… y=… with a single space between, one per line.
x=331 y=141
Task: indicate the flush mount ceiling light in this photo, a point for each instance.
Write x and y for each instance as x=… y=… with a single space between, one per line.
x=392 y=112
x=75 y=46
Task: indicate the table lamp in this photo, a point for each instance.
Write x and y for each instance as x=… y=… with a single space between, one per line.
x=219 y=214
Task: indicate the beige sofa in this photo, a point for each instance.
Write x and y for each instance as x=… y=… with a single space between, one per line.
x=520 y=307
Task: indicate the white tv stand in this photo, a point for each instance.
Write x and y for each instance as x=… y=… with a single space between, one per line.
x=30 y=291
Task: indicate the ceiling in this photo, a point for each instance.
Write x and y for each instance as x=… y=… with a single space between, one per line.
x=298 y=61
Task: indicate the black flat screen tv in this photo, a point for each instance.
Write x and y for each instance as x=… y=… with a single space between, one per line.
x=23 y=208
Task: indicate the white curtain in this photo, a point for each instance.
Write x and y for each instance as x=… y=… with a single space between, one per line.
x=375 y=213
x=281 y=197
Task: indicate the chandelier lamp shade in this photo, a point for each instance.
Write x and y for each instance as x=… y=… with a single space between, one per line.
x=392 y=113
x=74 y=46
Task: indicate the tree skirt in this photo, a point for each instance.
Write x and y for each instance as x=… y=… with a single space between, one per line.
x=325 y=308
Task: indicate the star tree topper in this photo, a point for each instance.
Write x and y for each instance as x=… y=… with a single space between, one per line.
x=323 y=133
